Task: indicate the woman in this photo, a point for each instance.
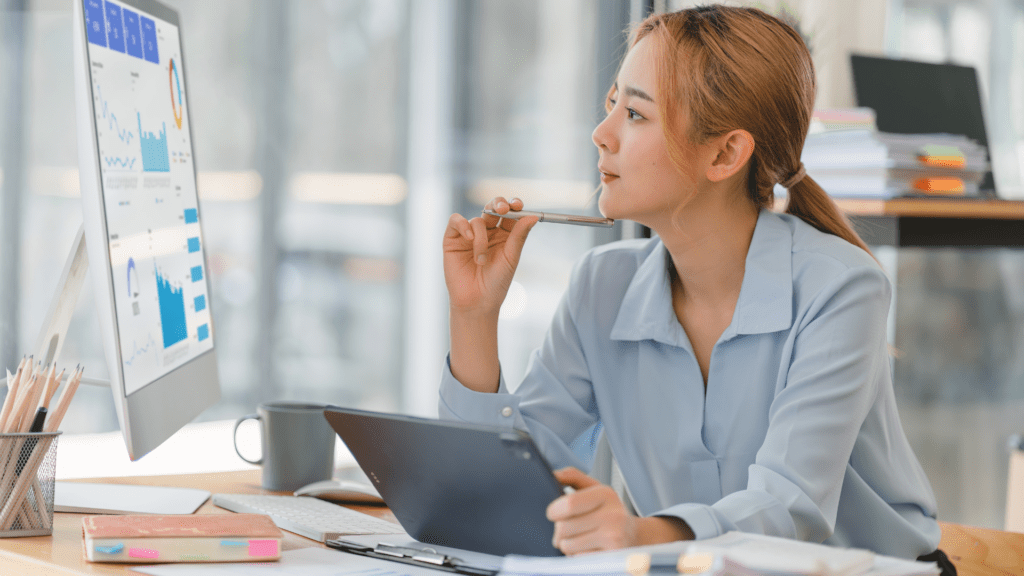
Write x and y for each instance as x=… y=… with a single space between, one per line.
x=738 y=361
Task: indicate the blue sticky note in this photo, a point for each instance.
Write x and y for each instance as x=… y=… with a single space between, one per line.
x=116 y=549
x=234 y=543
x=203 y=332
x=132 y=36
x=95 y=25
x=200 y=302
x=191 y=216
x=115 y=28
x=149 y=49
x=193 y=245
x=197 y=273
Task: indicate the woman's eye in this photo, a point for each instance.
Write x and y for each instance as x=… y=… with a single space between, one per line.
x=611 y=103
x=633 y=114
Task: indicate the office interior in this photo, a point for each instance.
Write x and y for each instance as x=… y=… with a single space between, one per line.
x=334 y=137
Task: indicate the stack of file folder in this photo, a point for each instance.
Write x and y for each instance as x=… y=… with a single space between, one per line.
x=863 y=162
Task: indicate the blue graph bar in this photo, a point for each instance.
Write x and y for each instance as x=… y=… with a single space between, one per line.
x=197 y=273
x=191 y=216
x=149 y=50
x=193 y=245
x=200 y=302
x=172 y=311
x=154 y=149
x=95 y=25
x=203 y=332
x=132 y=37
x=115 y=28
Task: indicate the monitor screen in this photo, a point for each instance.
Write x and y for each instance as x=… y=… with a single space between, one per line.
x=921 y=98
x=148 y=190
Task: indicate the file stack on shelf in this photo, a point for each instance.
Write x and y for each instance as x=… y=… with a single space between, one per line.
x=848 y=157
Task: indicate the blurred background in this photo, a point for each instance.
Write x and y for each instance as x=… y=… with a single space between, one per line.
x=333 y=139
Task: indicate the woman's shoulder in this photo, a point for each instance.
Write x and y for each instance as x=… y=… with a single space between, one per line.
x=826 y=252
x=824 y=263
x=610 y=264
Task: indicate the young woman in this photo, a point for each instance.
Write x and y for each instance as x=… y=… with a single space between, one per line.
x=738 y=361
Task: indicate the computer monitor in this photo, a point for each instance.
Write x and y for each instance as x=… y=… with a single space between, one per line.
x=912 y=97
x=142 y=219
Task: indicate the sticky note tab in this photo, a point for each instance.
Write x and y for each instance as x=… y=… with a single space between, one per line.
x=142 y=553
x=115 y=549
x=233 y=543
x=262 y=547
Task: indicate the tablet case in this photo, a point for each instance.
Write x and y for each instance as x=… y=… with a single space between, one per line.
x=454 y=484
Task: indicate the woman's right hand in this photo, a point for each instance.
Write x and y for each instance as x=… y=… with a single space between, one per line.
x=481 y=255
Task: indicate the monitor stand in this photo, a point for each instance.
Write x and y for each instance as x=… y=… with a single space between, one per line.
x=89 y=497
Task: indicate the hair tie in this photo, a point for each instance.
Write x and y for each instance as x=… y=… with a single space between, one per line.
x=796 y=177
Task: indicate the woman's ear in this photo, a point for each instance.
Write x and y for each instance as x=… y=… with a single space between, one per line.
x=732 y=151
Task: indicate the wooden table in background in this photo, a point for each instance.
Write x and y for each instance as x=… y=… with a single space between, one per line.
x=937 y=222
x=975 y=551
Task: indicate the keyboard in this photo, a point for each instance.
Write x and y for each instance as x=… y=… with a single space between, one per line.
x=307 y=516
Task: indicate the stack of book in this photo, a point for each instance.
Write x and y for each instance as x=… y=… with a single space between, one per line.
x=853 y=159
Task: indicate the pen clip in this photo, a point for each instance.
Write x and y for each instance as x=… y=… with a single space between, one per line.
x=421 y=555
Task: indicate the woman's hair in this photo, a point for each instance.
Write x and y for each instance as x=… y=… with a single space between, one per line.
x=729 y=68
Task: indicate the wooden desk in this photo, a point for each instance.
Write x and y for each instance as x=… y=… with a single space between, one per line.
x=937 y=222
x=975 y=551
x=61 y=553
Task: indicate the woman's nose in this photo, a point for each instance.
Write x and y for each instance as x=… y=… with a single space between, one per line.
x=603 y=135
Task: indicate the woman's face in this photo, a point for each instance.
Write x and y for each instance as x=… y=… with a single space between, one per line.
x=639 y=180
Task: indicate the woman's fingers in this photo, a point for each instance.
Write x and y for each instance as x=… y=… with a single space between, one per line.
x=458 y=226
x=479 y=229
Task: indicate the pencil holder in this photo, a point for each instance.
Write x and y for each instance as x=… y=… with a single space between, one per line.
x=28 y=463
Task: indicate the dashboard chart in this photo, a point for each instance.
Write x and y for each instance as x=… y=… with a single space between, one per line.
x=149 y=191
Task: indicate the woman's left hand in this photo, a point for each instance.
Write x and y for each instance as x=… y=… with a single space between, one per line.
x=590 y=519
x=593 y=518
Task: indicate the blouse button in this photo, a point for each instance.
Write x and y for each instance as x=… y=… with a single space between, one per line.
x=506 y=411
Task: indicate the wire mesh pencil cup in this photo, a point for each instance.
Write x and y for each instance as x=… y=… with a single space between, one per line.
x=28 y=463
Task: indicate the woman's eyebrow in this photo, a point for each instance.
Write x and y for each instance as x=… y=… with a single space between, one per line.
x=633 y=91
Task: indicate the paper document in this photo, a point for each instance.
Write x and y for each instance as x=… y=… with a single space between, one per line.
x=733 y=554
x=305 y=562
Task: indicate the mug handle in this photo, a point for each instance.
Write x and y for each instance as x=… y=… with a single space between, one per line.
x=234 y=437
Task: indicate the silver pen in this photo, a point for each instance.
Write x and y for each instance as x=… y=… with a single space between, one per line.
x=557 y=218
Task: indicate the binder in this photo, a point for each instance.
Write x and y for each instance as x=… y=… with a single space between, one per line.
x=422 y=557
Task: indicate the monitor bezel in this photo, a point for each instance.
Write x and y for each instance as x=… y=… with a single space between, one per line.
x=151 y=414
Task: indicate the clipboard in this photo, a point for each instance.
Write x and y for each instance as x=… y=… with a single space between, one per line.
x=422 y=557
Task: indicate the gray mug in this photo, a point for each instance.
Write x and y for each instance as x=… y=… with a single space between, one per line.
x=298 y=444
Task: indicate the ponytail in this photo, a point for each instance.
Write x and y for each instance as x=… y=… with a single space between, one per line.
x=809 y=202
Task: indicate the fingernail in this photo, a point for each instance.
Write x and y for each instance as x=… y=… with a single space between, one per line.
x=558 y=508
x=482 y=258
x=469 y=234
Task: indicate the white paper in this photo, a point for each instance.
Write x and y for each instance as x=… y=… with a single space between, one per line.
x=305 y=562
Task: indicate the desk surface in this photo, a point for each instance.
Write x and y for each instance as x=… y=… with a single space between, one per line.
x=937 y=222
x=61 y=553
x=975 y=551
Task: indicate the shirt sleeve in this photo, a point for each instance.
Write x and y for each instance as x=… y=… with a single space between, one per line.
x=837 y=363
x=554 y=403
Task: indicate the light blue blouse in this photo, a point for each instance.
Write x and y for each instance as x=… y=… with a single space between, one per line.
x=797 y=434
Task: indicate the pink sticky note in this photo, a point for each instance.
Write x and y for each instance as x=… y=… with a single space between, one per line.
x=142 y=553
x=262 y=547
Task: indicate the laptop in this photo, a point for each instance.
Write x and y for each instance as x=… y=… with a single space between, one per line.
x=911 y=97
x=454 y=484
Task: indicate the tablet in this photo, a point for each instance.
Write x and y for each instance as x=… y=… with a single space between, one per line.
x=455 y=484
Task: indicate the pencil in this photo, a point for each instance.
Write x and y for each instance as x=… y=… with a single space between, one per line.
x=54 y=418
x=12 y=395
x=53 y=388
x=31 y=403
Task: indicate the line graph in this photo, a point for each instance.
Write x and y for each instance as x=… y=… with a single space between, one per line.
x=115 y=162
x=137 y=351
x=125 y=134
